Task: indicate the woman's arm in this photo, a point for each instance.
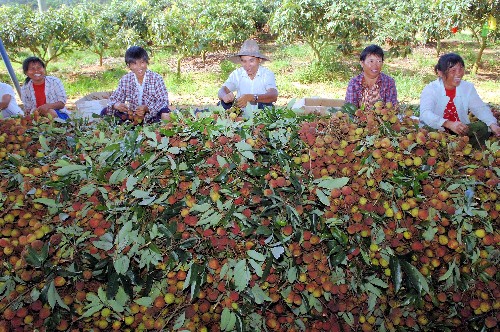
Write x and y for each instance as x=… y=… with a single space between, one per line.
x=428 y=111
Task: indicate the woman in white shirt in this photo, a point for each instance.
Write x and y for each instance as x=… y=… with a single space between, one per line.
x=445 y=103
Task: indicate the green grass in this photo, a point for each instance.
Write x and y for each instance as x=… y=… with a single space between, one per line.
x=298 y=74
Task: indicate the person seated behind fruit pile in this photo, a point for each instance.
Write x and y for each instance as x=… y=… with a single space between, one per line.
x=41 y=94
x=141 y=95
x=445 y=103
x=8 y=104
x=364 y=90
x=251 y=86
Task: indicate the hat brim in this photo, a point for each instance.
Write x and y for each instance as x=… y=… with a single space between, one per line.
x=236 y=57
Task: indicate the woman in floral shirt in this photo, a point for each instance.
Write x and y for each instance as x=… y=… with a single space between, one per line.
x=371 y=85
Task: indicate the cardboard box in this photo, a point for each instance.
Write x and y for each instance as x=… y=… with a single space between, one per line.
x=321 y=105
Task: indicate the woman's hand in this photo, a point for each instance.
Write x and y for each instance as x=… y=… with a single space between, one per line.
x=457 y=127
x=120 y=107
x=141 y=110
x=495 y=129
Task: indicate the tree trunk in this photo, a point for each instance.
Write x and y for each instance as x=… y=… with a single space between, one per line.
x=475 y=67
x=316 y=52
x=100 y=59
x=42 y=7
x=438 y=46
x=204 y=56
x=179 y=66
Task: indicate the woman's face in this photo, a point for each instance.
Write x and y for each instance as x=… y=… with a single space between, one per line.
x=138 y=67
x=36 y=72
x=453 y=76
x=372 y=65
x=250 y=64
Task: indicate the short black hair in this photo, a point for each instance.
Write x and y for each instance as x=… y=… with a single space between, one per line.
x=28 y=61
x=135 y=53
x=446 y=61
x=31 y=59
x=372 y=49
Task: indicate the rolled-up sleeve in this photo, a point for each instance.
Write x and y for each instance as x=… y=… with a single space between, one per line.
x=428 y=106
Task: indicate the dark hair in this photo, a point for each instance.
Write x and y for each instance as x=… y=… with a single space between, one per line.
x=27 y=62
x=135 y=53
x=372 y=49
x=446 y=61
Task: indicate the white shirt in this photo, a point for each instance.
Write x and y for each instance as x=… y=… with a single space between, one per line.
x=239 y=82
x=433 y=101
x=12 y=109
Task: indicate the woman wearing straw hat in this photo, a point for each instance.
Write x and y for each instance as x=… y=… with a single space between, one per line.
x=251 y=86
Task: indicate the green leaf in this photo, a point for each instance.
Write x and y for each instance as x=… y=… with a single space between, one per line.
x=245 y=149
x=258 y=171
x=117 y=307
x=241 y=275
x=429 y=233
x=449 y=272
x=53 y=297
x=118 y=176
x=131 y=182
x=415 y=277
x=140 y=194
x=43 y=143
x=121 y=265
x=88 y=189
x=331 y=183
x=145 y=301
x=65 y=170
x=396 y=274
x=210 y=219
x=121 y=297
x=291 y=274
x=227 y=320
x=322 y=197
x=379 y=282
x=48 y=202
x=256 y=255
x=174 y=150
x=201 y=207
x=92 y=308
x=179 y=322
x=103 y=245
x=259 y=295
x=256 y=266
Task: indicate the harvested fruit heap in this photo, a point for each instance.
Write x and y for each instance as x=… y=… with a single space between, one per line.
x=281 y=223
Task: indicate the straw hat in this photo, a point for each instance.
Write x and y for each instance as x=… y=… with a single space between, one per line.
x=249 y=48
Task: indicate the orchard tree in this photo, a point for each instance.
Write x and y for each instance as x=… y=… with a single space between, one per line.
x=177 y=28
x=101 y=24
x=350 y=21
x=439 y=21
x=193 y=28
x=475 y=17
x=241 y=20
x=397 y=23
x=25 y=29
x=304 y=20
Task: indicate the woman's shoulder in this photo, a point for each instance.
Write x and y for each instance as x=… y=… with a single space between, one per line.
x=154 y=74
x=356 y=79
x=387 y=77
